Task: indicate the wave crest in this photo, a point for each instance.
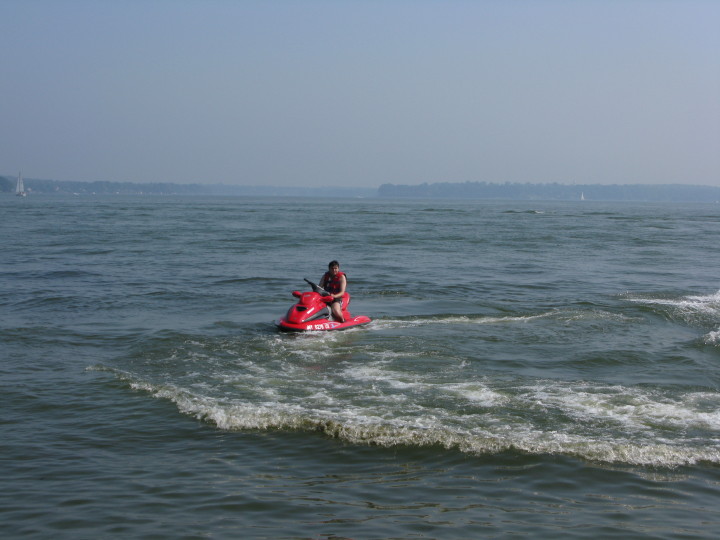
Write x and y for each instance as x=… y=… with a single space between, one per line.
x=487 y=430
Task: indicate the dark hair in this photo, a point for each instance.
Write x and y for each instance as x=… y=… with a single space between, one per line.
x=333 y=263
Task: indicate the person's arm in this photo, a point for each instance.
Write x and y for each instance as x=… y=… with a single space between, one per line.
x=343 y=284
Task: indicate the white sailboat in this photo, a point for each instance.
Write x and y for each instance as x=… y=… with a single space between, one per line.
x=20 y=188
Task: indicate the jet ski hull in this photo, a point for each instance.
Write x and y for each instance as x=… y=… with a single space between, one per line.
x=321 y=325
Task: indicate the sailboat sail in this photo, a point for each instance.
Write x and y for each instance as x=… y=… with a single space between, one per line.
x=20 y=188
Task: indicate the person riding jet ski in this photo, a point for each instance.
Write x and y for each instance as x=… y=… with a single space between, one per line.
x=324 y=307
x=335 y=282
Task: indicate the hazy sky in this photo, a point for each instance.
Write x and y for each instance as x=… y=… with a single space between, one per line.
x=361 y=93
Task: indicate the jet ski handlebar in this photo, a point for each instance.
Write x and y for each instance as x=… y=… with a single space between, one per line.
x=317 y=288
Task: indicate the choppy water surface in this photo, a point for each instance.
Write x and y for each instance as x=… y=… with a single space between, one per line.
x=546 y=369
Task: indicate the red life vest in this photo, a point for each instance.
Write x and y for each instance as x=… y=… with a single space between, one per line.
x=332 y=283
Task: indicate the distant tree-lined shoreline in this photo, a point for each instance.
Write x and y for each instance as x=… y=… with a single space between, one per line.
x=443 y=190
x=64 y=187
x=554 y=192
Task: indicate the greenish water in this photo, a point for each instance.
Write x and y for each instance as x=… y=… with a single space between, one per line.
x=538 y=369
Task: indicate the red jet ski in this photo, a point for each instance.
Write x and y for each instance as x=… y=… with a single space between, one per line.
x=312 y=312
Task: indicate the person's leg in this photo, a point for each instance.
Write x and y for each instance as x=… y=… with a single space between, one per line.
x=337 y=311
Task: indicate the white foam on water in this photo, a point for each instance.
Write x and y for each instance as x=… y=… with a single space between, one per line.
x=380 y=324
x=591 y=315
x=371 y=373
x=563 y=315
x=385 y=402
x=712 y=299
x=689 y=308
x=635 y=410
x=477 y=393
x=712 y=338
x=354 y=426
